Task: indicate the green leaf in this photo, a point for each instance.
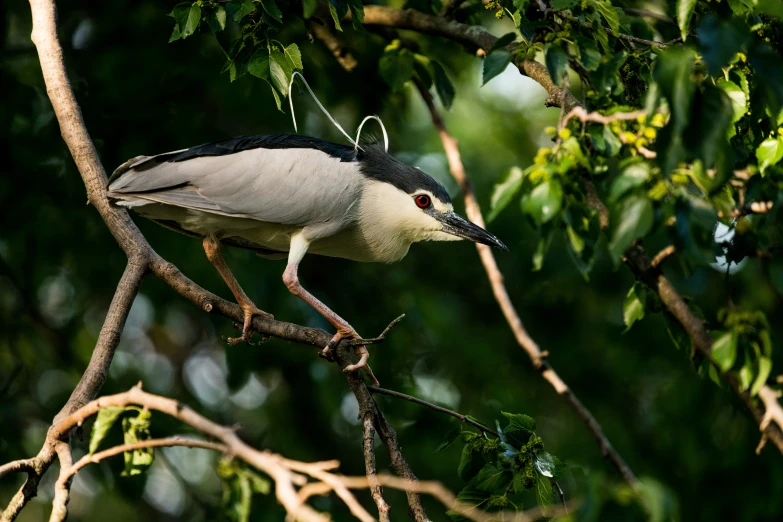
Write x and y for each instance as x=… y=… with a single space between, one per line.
x=175 y=34
x=519 y=483
x=396 y=67
x=294 y=56
x=545 y=464
x=634 y=219
x=103 y=423
x=769 y=153
x=608 y=13
x=544 y=493
x=502 y=42
x=137 y=429
x=469 y=464
x=451 y=436
x=238 y=9
x=357 y=15
x=633 y=307
x=187 y=17
x=504 y=192
x=684 y=12
x=634 y=175
x=280 y=71
x=544 y=202
x=672 y=73
x=216 y=19
x=768 y=65
x=443 y=85
x=258 y=65
x=272 y=10
x=556 y=62
x=308 y=8
x=276 y=96
x=559 y=5
x=720 y=40
x=494 y=64
x=472 y=496
x=520 y=421
x=338 y=9
x=724 y=350
x=739 y=100
x=765 y=368
x=492 y=478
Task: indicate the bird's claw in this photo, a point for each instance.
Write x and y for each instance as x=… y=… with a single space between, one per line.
x=360 y=351
x=247 y=329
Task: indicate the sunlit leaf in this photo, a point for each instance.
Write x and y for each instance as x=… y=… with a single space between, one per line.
x=504 y=192
x=633 y=307
x=294 y=56
x=765 y=368
x=684 y=12
x=724 y=350
x=103 y=423
x=769 y=153
x=607 y=11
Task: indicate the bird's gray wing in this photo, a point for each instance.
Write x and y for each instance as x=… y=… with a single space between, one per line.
x=291 y=186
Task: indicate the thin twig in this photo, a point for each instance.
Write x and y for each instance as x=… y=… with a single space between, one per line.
x=376 y=340
x=661 y=256
x=461 y=417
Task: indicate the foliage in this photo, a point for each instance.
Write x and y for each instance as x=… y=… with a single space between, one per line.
x=498 y=471
x=712 y=119
x=134 y=429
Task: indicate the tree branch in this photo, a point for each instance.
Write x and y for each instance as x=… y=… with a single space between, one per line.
x=537 y=357
x=368 y=445
x=770 y=409
x=470 y=35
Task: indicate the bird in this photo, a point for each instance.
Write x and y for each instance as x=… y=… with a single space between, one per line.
x=283 y=196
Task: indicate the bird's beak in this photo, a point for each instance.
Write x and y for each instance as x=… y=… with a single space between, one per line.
x=457 y=225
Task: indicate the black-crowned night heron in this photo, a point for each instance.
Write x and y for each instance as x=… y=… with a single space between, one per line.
x=283 y=196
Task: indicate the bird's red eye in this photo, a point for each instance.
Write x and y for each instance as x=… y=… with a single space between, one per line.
x=422 y=201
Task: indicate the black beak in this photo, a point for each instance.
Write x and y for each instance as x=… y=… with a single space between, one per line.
x=459 y=226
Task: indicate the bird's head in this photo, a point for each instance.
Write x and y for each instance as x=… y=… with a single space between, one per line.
x=412 y=204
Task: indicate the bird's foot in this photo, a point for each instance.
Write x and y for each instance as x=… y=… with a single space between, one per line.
x=247 y=330
x=361 y=352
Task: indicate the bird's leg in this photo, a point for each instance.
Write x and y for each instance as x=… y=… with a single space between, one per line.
x=344 y=330
x=249 y=309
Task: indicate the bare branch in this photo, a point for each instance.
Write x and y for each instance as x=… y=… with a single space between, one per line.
x=368 y=445
x=444 y=496
x=537 y=357
x=62 y=489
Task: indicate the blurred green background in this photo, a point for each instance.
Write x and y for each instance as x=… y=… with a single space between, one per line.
x=59 y=266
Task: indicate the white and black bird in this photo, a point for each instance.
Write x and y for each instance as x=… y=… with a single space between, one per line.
x=283 y=196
